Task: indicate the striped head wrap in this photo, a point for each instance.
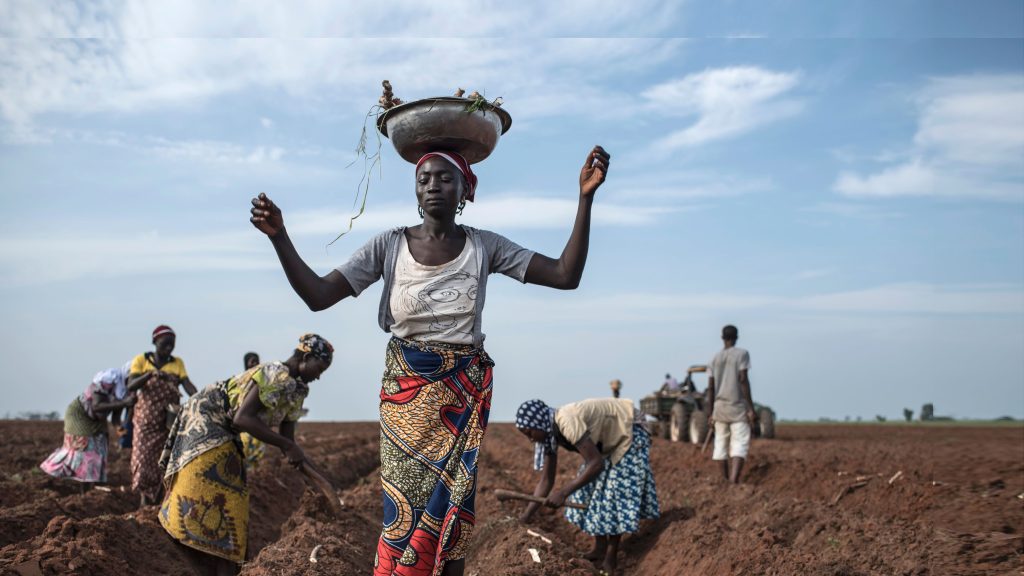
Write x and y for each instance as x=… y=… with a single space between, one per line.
x=457 y=160
x=317 y=346
x=161 y=330
x=536 y=415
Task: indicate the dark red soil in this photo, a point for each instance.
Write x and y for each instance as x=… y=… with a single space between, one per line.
x=956 y=509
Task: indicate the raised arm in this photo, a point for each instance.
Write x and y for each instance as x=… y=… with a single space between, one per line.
x=318 y=292
x=565 y=272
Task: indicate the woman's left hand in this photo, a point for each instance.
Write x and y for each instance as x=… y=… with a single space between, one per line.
x=556 y=499
x=594 y=171
x=295 y=455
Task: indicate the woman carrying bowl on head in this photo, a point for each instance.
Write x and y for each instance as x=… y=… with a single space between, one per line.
x=436 y=392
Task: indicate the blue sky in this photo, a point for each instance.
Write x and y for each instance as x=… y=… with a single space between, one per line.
x=843 y=181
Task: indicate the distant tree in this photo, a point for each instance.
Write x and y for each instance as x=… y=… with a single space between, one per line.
x=846 y=419
x=908 y=414
x=880 y=418
x=927 y=412
x=39 y=416
x=858 y=418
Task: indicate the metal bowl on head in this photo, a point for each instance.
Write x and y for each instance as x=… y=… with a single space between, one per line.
x=444 y=124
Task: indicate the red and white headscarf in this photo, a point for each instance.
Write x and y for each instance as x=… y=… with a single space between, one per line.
x=459 y=162
x=161 y=330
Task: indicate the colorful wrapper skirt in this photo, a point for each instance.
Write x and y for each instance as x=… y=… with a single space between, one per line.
x=621 y=496
x=435 y=401
x=83 y=456
x=149 y=430
x=206 y=501
x=207 y=504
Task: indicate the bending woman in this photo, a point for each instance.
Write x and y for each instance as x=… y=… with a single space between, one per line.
x=615 y=481
x=207 y=501
x=156 y=376
x=436 y=392
x=83 y=457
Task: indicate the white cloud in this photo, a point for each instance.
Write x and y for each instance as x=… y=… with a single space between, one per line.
x=509 y=212
x=815 y=273
x=667 y=185
x=852 y=210
x=206 y=151
x=921 y=298
x=911 y=179
x=726 y=102
x=973 y=119
x=61 y=257
x=888 y=299
x=215 y=152
x=327 y=19
x=969 y=143
x=141 y=56
x=266 y=123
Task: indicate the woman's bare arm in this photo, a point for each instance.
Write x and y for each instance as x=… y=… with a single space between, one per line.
x=565 y=272
x=593 y=465
x=318 y=292
x=544 y=485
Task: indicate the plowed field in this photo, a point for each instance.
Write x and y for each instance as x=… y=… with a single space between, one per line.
x=957 y=508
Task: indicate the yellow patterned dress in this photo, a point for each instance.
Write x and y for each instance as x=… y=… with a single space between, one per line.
x=434 y=406
x=207 y=501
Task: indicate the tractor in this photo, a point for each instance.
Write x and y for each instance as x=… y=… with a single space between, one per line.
x=680 y=416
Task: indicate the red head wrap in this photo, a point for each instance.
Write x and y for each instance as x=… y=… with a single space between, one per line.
x=161 y=330
x=459 y=162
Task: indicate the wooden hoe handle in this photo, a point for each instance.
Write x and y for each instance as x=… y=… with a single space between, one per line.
x=510 y=495
x=325 y=488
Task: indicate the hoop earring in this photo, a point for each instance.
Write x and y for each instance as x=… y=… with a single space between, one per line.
x=420 y=208
x=461 y=206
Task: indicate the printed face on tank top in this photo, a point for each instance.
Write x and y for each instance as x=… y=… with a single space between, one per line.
x=435 y=303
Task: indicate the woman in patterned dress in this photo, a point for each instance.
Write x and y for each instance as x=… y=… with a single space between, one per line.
x=83 y=456
x=436 y=392
x=155 y=377
x=206 y=506
x=615 y=481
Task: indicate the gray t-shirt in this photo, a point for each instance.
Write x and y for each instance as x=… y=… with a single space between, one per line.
x=725 y=367
x=376 y=259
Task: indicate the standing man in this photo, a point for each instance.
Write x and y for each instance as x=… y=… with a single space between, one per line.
x=732 y=408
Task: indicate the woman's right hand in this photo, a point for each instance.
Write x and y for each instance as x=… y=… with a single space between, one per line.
x=296 y=457
x=266 y=216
